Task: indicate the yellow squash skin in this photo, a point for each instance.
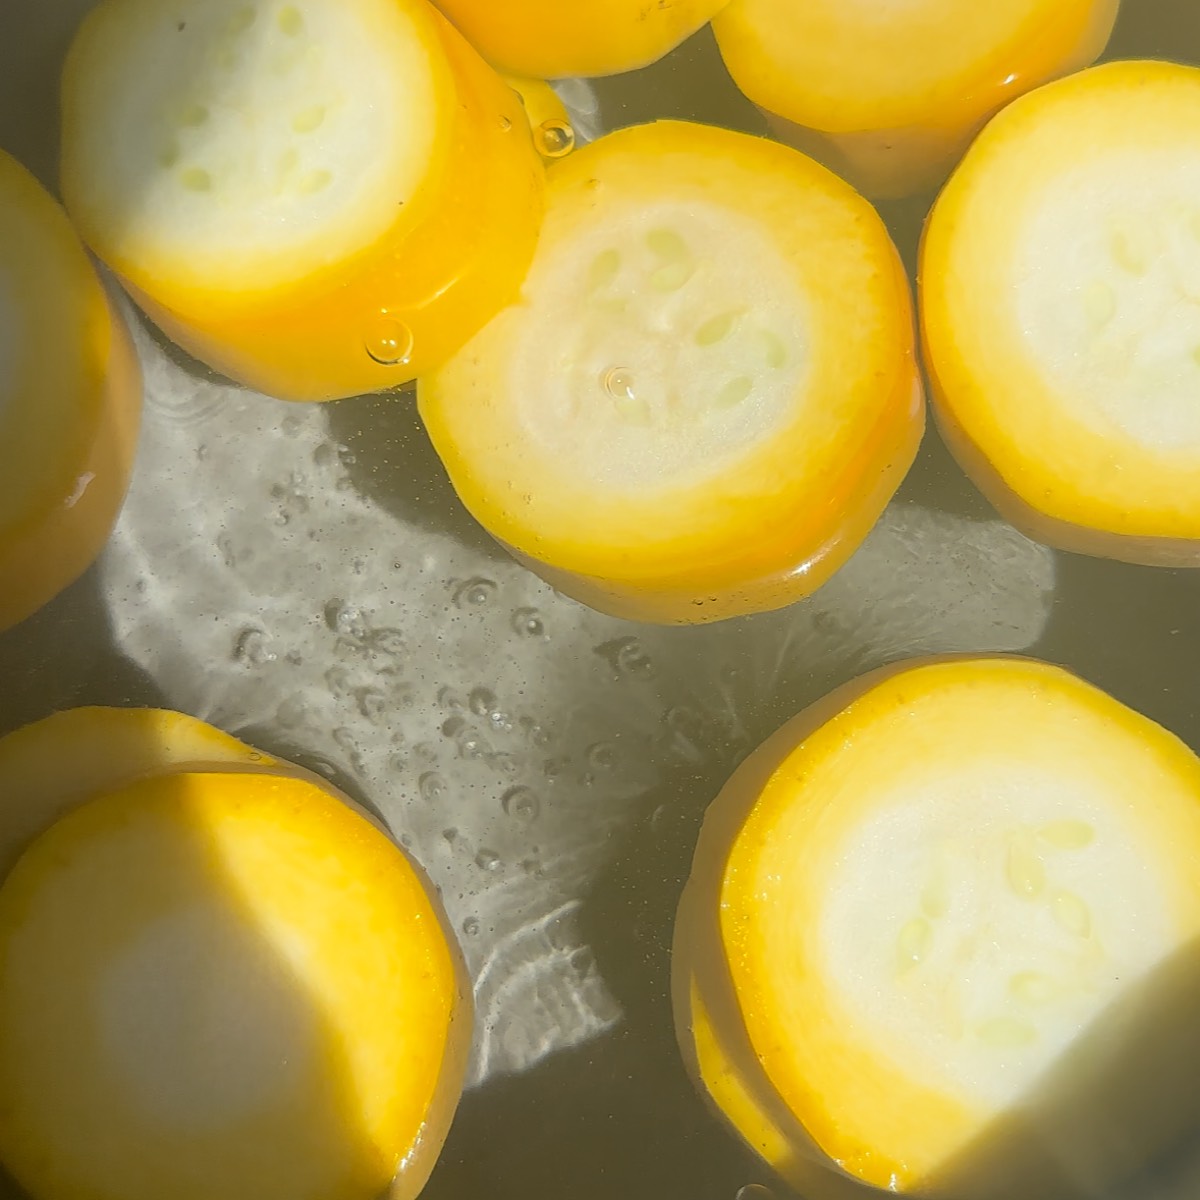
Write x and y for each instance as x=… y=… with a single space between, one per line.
x=553 y=39
x=775 y=523
x=814 y=1095
x=892 y=100
x=70 y=410
x=218 y=791
x=390 y=310
x=1039 y=449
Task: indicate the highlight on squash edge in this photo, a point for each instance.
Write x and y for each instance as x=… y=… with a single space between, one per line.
x=244 y=987
x=942 y=936
x=715 y=337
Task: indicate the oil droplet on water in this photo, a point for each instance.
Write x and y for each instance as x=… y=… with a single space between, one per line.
x=389 y=342
x=554 y=139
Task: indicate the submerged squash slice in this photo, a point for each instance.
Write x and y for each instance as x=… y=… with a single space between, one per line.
x=890 y=95
x=1061 y=311
x=551 y=39
x=70 y=401
x=317 y=198
x=942 y=936
x=217 y=980
x=707 y=392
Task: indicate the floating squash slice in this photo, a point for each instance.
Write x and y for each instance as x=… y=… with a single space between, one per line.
x=551 y=39
x=317 y=198
x=942 y=936
x=706 y=394
x=215 y=982
x=70 y=401
x=890 y=95
x=1061 y=300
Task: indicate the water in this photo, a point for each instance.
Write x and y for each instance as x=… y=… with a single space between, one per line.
x=558 y=817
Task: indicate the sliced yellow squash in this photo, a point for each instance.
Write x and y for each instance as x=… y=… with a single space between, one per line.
x=706 y=393
x=890 y=95
x=936 y=928
x=551 y=39
x=217 y=979
x=316 y=197
x=1061 y=310
x=70 y=401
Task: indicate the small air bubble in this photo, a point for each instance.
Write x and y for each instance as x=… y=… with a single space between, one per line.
x=474 y=592
x=372 y=703
x=346 y=619
x=627 y=657
x=389 y=342
x=432 y=787
x=602 y=756
x=251 y=647
x=554 y=139
x=482 y=702
x=471 y=927
x=528 y=623
x=521 y=804
x=487 y=860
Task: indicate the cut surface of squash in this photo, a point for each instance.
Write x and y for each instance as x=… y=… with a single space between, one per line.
x=294 y=191
x=70 y=400
x=953 y=893
x=553 y=39
x=222 y=985
x=1065 y=368
x=707 y=392
x=890 y=95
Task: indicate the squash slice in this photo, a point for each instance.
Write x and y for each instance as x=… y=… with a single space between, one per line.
x=217 y=978
x=317 y=198
x=707 y=392
x=1061 y=312
x=936 y=927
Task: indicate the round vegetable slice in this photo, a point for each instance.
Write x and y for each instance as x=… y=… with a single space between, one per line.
x=224 y=985
x=552 y=39
x=890 y=95
x=706 y=393
x=70 y=401
x=941 y=922
x=51 y=766
x=318 y=198
x=1061 y=312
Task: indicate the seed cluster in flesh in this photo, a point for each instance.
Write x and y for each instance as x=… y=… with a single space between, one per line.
x=1107 y=295
x=689 y=347
x=977 y=926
